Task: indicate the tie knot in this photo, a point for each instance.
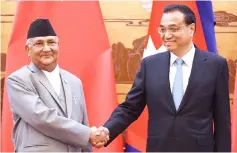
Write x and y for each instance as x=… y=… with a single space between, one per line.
x=179 y=61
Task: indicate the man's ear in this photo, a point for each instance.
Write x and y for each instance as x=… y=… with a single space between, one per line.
x=192 y=29
x=27 y=49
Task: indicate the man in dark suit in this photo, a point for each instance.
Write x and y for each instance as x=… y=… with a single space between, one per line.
x=185 y=89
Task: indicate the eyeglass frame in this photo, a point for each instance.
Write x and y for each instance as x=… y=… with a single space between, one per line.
x=33 y=45
x=170 y=31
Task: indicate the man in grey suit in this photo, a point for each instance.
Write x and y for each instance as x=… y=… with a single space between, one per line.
x=47 y=102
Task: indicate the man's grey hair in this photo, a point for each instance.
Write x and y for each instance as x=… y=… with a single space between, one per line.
x=28 y=42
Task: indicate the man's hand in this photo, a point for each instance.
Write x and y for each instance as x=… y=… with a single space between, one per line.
x=99 y=136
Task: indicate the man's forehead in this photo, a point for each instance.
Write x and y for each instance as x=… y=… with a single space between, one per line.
x=44 y=38
x=175 y=13
x=172 y=18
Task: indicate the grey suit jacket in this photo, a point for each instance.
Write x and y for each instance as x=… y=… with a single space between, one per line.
x=40 y=124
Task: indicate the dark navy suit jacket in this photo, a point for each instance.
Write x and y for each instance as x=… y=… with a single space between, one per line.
x=190 y=128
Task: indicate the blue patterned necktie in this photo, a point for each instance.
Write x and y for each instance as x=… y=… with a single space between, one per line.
x=178 y=90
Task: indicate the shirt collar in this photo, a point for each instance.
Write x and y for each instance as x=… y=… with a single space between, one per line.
x=187 y=58
x=53 y=73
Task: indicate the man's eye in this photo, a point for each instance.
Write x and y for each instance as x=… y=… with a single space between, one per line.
x=174 y=29
x=38 y=43
x=162 y=30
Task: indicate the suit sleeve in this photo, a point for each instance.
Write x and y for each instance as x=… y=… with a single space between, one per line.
x=128 y=111
x=222 y=135
x=85 y=121
x=26 y=103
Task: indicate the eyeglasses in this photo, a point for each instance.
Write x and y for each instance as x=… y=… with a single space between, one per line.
x=171 y=30
x=40 y=45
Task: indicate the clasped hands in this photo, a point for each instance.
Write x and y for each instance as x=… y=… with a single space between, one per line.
x=99 y=136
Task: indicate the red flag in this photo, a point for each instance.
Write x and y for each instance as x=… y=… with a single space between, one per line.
x=234 y=119
x=84 y=51
x=137 y=134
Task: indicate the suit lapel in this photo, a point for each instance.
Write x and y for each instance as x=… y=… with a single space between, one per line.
x=198 y=68
x=166 y=69
x=44 y=81
x=68 y=93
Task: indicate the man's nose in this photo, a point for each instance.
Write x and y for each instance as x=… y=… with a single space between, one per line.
x=167 y=35
x=46 y=48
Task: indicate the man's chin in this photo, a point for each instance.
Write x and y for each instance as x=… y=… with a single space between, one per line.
x=170 y=48
x=48 y=63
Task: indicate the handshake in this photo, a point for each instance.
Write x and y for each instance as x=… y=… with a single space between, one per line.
x=99 y=136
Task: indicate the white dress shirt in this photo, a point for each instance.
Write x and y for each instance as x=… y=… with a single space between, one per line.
x=54 y=79
x=186 y=67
